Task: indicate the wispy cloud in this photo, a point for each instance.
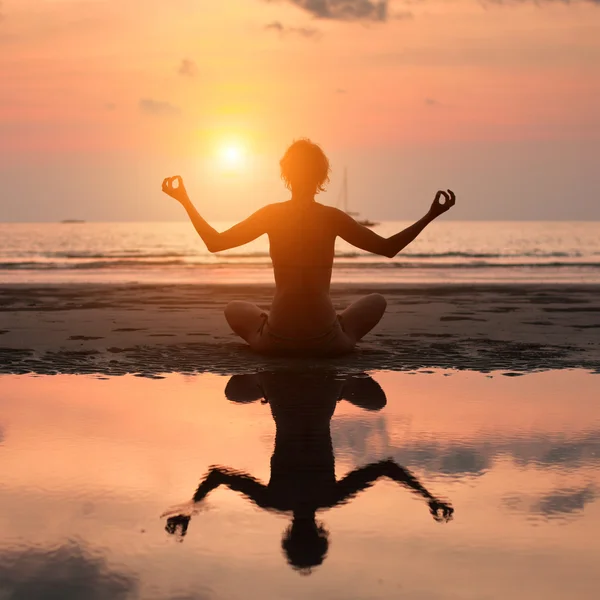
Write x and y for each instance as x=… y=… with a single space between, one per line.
x=307 y=32
x=541 y=2
x=158 y=107
x=188 y=68
x=65 y=572
x=431 y=102
x=557 y=504
x=565 y=501
x=402 y=15
x=344 y=10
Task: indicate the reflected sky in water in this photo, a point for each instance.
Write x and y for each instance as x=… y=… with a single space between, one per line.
x=285 y=485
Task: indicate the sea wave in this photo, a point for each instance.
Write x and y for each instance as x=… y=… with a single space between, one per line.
x=140 y=254
x=124 y=254
x=180 y=263
x=99 y=264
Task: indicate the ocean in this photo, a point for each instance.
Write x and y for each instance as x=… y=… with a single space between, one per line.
x=171 y=252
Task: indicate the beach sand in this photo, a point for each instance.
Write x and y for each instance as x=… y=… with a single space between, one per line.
x=154 y=329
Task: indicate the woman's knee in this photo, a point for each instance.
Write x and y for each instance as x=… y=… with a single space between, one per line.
x=240 y=314
x=377 y=302
x=232 y=311
x=244 y=318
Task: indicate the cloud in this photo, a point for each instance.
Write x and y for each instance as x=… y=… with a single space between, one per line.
x=557 y=504
x=110 y=106
x=308 y=32
x=345 y=10
x=188 y=68
x=431 y=102
x=564 y=501
x=157 y=107
x=341 y=91
x=370 y=441
x=509 y=2
x=67 y=573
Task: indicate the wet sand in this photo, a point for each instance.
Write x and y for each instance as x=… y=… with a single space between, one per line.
x=150 y=330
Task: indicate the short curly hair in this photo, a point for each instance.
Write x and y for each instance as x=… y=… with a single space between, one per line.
x=303 y=165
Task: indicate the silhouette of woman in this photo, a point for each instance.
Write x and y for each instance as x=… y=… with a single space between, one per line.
x=302 y=234
x=303 y=465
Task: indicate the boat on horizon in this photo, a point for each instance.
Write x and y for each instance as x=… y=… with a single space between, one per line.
x=343 y=204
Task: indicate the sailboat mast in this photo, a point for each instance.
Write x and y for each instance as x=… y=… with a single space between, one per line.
x=346 y=189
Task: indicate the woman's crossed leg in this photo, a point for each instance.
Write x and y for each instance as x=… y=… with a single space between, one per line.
x=248 y=321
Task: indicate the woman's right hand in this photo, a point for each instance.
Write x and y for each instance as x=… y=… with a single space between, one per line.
x=437 y=208
x=175 y=191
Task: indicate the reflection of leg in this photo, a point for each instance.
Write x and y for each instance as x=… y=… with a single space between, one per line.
x=244 y=388
x=363 y=391
x=359 y=318
x=245 y=319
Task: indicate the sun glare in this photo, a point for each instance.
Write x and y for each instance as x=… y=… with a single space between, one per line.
x=232 y=157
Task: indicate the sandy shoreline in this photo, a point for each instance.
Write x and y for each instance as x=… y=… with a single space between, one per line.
x=153 y=329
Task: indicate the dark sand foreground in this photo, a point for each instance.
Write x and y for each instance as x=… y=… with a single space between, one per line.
x=153 y=329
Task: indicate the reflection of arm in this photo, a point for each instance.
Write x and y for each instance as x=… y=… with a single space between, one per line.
x=360 y=479
x=178 y=517
x=234 y=480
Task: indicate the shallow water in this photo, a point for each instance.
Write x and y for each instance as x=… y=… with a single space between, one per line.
x=446 y=252
x=89 y=465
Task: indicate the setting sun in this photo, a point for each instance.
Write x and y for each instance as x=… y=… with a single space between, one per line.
x=232 y=156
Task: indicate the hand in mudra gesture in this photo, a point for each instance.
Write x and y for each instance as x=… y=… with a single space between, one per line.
x=173 y=186
x=438 y=208
x=440 y=511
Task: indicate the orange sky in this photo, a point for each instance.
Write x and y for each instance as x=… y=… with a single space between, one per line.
x=114 y=95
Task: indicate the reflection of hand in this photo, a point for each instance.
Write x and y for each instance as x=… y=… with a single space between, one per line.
x=437 y=208
x=178 y=518
x=178 y=192
x=178 y=525
x=440 y=511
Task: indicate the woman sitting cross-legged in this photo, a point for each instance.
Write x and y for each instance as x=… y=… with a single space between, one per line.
x=302 y=234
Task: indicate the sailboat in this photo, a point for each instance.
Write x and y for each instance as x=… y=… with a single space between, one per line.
x=343 y=201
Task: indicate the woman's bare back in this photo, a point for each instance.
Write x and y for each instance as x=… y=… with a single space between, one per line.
x=302 y=241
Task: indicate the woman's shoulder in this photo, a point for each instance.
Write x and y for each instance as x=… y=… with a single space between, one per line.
x=288 y=208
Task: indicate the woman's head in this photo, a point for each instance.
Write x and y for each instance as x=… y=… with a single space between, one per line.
x=304 y=167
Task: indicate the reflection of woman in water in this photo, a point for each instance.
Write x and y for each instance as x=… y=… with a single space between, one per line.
x=302 y=234
x=303 y=465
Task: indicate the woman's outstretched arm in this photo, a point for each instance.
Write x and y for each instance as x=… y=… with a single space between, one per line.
x=365 y=239
x=242 y=233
